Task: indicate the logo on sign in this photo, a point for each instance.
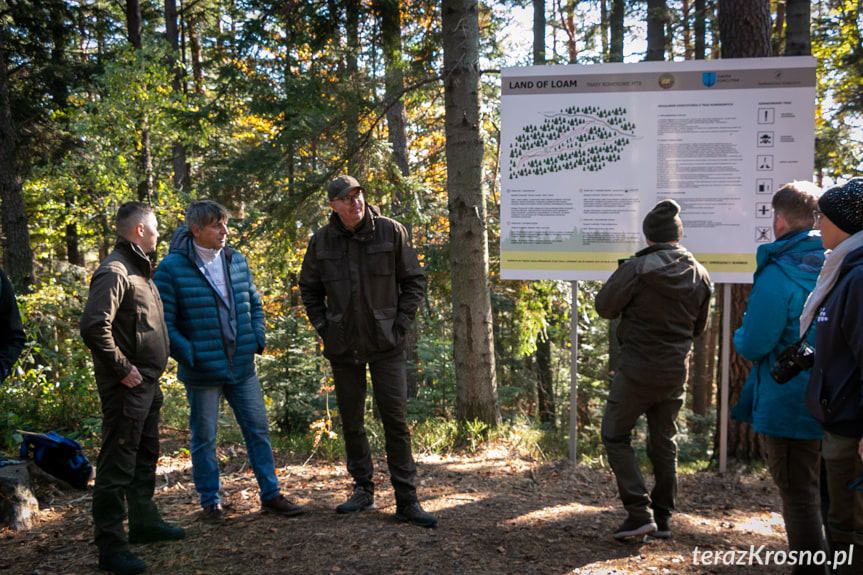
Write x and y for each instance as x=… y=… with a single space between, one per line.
x=709 y=78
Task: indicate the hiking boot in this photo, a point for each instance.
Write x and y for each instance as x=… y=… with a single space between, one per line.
x=414 y=513
x=122 y=563
x=663 y=531
x=212 y=513
x=159 y=532
x=634 y=528
x=280 y=504
x=360 y=500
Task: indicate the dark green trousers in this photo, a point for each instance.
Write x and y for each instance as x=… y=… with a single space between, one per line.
x=126 y=466
x=660 y=402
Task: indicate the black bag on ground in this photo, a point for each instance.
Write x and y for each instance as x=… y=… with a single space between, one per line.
x=59 y=456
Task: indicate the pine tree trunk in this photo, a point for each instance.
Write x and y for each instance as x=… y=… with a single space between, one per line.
x=798 y=31
x=539 y=32
x=178 y=151
x=545 y=382
x=391 y=39
x=656 y=19
x=473 y=342
x=700 y=29
x=744 y=30
x=616 y=24
x=17 y=253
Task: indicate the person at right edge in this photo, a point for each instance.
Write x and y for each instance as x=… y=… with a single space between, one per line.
x=785 y=274
x=361 y=284
x=834 y=396
x=662 y=295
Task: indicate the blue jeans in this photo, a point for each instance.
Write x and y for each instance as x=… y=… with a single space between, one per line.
x=247 y=402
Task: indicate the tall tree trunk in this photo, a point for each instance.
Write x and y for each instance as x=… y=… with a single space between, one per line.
x=656 y=20
x=473 y=341
x=744 y=31
x=133 y=23
x=178 y=151
x=702 y=372
x=196 y=57
x=17 y=253
x=700 y=29
x=744 y=28
x=389 y=14
x=352 y=33
x=686 y=13
x=145 y=159
x=545 y=403
x=60 y=96
x=616 y=24
x=539 y=32
x=603 y=25
x=798 y=31
x=567 y=22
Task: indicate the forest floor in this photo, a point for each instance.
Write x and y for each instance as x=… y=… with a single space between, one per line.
x=500 y=511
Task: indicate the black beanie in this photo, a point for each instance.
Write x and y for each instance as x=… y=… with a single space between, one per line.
x=662 y=224
x=843 y=205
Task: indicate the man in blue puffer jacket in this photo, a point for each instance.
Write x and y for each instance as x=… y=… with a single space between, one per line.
x=215 y=322
x=786 y=272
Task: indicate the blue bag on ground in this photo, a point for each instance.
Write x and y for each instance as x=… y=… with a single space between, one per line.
x=59 y=456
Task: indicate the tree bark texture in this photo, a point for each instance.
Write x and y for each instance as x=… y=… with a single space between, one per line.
x=700 y=29
x=389 y=15
x=798 y=31
x=657 y=16
x=744 y=28
x=17 y=253
x=616 y=25
x=538 y=32
x=473 y=342
x=744 y=31
x=178 y=152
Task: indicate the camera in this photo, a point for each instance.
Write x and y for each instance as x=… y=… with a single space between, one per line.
x=795 y=358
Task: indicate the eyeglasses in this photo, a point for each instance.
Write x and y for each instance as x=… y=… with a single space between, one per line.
x=351 y=198
x=816 y=216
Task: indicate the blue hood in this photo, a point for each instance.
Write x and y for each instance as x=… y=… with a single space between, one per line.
x=799 y=257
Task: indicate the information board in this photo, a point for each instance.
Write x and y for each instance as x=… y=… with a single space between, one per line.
x=588 y=150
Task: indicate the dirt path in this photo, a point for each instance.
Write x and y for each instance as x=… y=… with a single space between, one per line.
x=499 y=511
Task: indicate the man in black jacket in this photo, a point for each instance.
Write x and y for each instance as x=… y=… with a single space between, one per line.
x=124 y=327
x=362 y=284
x=12 y=337
x=662 y=296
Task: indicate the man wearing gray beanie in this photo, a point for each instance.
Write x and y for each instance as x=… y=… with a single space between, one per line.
x=834 y=396
x=662 y=295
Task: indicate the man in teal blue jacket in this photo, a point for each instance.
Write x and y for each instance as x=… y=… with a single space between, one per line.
x=786 y=272
x=215 y=323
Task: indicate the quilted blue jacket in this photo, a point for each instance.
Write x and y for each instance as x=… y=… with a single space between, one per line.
x=214 y=343
x=786 y=273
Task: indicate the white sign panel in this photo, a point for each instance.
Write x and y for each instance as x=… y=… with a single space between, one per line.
x=588 y=150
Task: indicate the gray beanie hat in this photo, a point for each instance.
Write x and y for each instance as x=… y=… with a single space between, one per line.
x=843 y=205
x=662 y=223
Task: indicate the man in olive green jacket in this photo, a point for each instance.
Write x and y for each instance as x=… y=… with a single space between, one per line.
x=124 y=327
x=662 y=295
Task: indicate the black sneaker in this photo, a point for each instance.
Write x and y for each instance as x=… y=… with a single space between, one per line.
x=634 y=528
x=360 y=500
x=280 y=504
x=122 y=563
x=160 y=532
x=663 y=531
x=414 y=513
